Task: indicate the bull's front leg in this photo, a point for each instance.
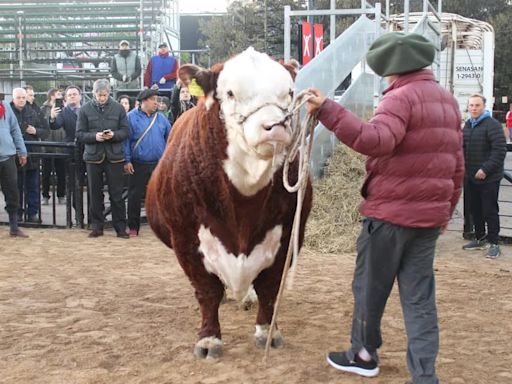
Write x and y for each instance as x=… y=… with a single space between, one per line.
x=209 y=292
x=266 y=286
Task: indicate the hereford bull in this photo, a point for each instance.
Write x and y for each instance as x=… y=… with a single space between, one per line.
x=217 y=196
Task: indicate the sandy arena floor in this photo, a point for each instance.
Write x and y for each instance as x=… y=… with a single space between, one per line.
x=76 y=310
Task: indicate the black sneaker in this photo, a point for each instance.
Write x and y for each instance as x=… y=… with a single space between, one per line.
x=475 y=245
x=339 y=360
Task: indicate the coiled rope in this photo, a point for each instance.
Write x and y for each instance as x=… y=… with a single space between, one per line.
x=299 y=144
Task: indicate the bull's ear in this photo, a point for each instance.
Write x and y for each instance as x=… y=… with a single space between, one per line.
x=206 y=79
x=292 y=66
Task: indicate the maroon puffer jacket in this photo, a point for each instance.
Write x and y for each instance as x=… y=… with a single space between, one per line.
x=415 y=163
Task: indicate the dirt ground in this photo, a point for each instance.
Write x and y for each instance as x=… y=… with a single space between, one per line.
x=107 y=310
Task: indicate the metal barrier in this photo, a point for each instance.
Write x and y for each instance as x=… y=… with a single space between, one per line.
x=74 y=181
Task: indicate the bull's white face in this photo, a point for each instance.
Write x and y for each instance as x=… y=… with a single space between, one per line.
x=255 y=95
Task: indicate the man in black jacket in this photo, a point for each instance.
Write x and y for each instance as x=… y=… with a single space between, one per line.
x=33 y=128
x=484 y=154
x=102 y=127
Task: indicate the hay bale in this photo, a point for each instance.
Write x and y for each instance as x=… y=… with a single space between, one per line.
x=333 y=224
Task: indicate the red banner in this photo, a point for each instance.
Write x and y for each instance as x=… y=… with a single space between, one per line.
x=307 y=42
x=319 y=38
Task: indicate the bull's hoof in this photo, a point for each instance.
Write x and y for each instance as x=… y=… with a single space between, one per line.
x=208 y=348
x=260 y=337
x=250 y=300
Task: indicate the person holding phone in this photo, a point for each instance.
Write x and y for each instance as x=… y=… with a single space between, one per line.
x=102 y=127
x=59 y=165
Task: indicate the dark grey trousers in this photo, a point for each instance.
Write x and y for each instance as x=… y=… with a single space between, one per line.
x=384 y=252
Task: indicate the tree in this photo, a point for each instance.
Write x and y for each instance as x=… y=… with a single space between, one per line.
x=243 y=26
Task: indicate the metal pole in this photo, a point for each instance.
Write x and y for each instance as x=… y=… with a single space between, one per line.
x=406 y=16
x=20 y=41
x=141 y=43
x=376 y=79
x=332 y=28
x=311 y=6
x=287 y=33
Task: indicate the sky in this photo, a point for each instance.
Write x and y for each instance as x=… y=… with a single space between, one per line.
x=202 y=6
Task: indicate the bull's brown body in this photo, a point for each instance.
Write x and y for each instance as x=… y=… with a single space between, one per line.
x=189 y=188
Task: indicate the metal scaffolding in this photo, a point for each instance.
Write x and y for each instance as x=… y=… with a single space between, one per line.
x=74 y=41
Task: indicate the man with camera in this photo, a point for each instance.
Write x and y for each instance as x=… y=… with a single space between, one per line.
x=102 y=127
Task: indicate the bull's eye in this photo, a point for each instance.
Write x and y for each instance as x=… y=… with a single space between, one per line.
x=230 y=94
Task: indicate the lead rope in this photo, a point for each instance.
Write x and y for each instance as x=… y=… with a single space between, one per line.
x=300 y=132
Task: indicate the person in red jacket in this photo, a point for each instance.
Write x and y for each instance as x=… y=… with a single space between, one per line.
x=508 y=123
x=415 y=170
x=161 y=70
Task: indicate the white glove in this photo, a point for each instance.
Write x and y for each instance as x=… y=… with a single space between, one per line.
x=162 y=80
x=125 y=78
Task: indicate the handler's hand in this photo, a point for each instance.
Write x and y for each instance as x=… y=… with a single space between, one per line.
x=162 y=80
x=480 y=175
x=128 y=168
x=315 y=101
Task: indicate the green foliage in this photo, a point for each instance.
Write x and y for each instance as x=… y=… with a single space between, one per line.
x=244 y=26
x=476 y=9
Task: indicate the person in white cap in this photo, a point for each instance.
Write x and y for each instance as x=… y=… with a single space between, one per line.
x=125 y=67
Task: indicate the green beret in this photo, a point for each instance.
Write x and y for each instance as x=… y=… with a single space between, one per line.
x=396 y=52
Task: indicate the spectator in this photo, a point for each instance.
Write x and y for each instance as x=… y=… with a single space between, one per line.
x=66 y=119
x=33 y=129
x=59 y=165
x=181 y=101
x=508 y=123
x=144 y=147
x=102 y=127
x=127 y=102
x=11 y=143
x=414 y=177
x=126 y=67
x=485 y=149
x=67 y=116
x=161 y=69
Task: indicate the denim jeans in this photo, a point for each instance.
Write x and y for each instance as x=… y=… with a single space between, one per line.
x=28 y=189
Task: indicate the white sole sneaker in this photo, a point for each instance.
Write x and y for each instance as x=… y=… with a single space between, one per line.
x=354 y=369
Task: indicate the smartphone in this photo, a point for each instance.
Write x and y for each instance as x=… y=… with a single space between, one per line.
x=106 y=131
x=59 y=103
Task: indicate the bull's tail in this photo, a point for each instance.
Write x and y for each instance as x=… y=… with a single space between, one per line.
x=155 y=220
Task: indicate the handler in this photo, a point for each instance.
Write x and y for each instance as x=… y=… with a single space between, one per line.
x=414 y=177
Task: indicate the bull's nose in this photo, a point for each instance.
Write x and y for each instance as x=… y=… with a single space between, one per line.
x=269 y=126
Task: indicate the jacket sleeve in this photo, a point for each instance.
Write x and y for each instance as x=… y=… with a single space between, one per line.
x=127 y=144
x=17 y=137
x=174 y=72
x=82 y=129
x=378 y=137
x=59 y=121
x=123 y=132
x=147 y=75
x=498 y=144
x=458 y=178
x=115 y=72
x=43 y=125
x=138 y=68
